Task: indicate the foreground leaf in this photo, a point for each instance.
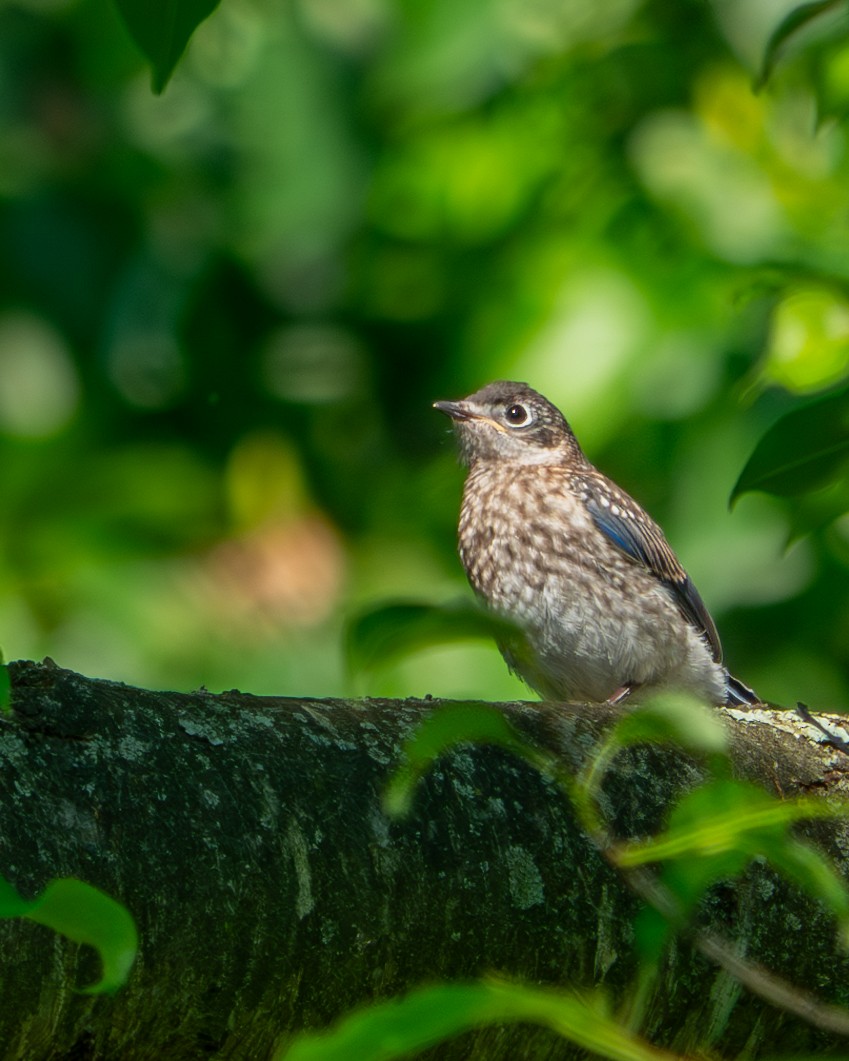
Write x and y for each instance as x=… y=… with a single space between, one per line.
x=445 y=729
x=84 y=914
x=162 y=28
x=390 y=631
x=431 y=1015
x=5 y=688
x=671 y=718
x=722 y=816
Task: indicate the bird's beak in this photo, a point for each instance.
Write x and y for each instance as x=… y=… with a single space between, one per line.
x=462 y=411
x=456 y=410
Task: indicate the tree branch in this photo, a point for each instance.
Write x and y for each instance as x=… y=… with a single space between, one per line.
x=246 y=837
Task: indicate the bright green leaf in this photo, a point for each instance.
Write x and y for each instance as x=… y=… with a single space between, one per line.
x=84 y=914
x=724 y=816
x=389 y=631
x=162 y=28
x=444 y=729
x=808 y=448
x=791 y=24
x=431 y=1015
x=672 y=718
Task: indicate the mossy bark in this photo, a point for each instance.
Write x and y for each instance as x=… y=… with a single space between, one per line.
x=271 y=893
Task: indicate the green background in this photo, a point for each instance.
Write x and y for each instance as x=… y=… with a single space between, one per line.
x=225 y=312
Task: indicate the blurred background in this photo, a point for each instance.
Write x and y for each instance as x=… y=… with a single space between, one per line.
x=225 y=312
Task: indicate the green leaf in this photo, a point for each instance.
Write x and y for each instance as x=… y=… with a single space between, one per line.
x=725 y=816
x=431 y=1015
x=670 y=718
x=445 y=729
x=5 y=688
x=791 y=24
x=84 y=914
x=162 y=28
x=814 y=874
x=389 y=631
x=806 y=449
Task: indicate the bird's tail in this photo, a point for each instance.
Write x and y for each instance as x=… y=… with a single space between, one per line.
x=737 y=694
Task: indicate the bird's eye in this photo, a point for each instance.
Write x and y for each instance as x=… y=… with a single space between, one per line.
x=518 y=416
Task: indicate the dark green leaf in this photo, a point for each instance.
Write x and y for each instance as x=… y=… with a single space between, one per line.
x=791 y=24
x=805 y=450
x=389 y=631
x=86 y=915
x=433 y=1014
x=814 y=874
x=445 y=729
x=5 y=688
x=162 y=28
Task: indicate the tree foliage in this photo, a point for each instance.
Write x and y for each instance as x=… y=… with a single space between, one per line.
x=225 y=311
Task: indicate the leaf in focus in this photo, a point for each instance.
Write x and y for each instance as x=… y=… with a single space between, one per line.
x=390 y=631
x=84 y=914
x=805 y=450
x=443 y=730
x=431 y=1015
x=162 y=28
x=791 y=24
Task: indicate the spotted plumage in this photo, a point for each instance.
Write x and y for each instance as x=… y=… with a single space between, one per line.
x=547 y=541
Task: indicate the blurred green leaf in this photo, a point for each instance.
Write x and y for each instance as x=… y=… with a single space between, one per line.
x=806 y=449
x=813 y=873
x=669 y=718
x=389 y=631
x=84 y=914
x=714 y=833
x=433 y=1014
x=722 y=816
x=445 y=729
x=162 y=28
x=792 y=23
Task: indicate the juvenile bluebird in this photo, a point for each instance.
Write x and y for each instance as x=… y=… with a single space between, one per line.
x=549 y=543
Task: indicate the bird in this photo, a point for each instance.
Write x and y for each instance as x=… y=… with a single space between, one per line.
x=600 y=607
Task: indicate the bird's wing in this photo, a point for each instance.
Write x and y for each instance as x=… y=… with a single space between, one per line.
x=625 y=524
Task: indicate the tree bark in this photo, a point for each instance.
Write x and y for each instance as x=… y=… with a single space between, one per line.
x=246 y=837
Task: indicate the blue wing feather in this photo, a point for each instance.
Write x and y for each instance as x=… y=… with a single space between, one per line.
x=639 y=537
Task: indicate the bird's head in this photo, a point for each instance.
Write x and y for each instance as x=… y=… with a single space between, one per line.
x=511 y=422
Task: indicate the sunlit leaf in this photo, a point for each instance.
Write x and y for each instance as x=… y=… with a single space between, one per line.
x=721 y=816
x=431 y=1015
x=791 y=24
x=389 y=631
x=445 y=729
x=84 y=914
x=162 y=28
x=806 y=449
x=671 y=718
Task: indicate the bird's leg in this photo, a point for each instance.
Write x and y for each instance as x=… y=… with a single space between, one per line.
x=621 y=694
